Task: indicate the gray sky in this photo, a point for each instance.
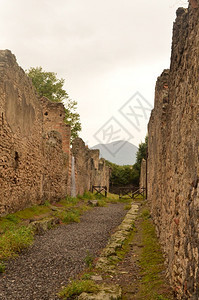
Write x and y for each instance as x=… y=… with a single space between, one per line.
x=105 y=50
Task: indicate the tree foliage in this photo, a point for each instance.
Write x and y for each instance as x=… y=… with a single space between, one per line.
x=124 y=175
x=47 y=84
x=141 y=153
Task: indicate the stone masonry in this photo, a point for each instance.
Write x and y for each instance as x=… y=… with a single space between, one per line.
x=173 y=156
x=35 y=154
x=142 y=183
x=34 y=142
x=90 y=169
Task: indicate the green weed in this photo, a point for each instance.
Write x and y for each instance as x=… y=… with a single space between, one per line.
x=87 y=276
x=75 y=288
x=2 y=267
x=72 y=216
x=69 y=201
x=101 y=203
x=145 y=214
x=127 y=207
x=89 y=259
x=7 y=223
x=13 y=241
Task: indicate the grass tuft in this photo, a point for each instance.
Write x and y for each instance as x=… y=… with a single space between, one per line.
x=2 y=267
x=89 y=259
x=75 y=288
x=13 y=241
x=72 y=216
x=127 y=206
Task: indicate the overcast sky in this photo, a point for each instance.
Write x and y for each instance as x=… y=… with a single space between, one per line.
x=108 y=52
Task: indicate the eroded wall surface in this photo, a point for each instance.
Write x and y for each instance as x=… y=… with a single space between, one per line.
x=90 y=169
x=142 y=183
x=173 y=157
x=34 y=153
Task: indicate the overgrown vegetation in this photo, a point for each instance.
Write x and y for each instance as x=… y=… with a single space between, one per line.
x=125 y=175
x=76 y=287
x=16 y=234
x=47 y=84
x=152 y=286
x=14 y=240
x=70 y=216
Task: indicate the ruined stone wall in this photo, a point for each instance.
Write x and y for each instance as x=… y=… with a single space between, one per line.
x=173 y=158
x=90 y=169
x=33 y=153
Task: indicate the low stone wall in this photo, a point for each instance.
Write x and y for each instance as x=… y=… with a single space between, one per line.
x=34 y=142
x=90 y=169
x=173 y=160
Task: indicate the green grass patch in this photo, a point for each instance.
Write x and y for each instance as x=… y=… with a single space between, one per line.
x=69 y=201
x=87 y=196
x=89 y=258
x=145 y=214
x=72 y=215
x=31 y=212
x=127 y=206
x=76 y=287
x=2 y=267
x=87 y=275
x=126 y=245
x=151 y=260
x=102 y=203
x=14 y=241
x=9 y=222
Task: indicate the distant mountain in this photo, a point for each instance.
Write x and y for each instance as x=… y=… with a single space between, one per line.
x=119 y=152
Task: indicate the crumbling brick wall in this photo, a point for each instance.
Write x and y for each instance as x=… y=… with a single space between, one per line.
x=90 y=169
x=34 y=154
x=173 y=157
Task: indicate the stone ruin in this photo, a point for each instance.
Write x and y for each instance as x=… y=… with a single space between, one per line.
x=35 y=154
x=143 y=178
x=90 y=169
x=173 y=156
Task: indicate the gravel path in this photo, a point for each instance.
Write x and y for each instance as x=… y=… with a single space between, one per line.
x=58 y=255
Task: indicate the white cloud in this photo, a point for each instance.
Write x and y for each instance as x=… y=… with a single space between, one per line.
x=106 y=50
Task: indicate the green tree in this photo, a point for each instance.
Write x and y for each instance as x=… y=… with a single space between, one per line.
x=141 y=153
x=47 y=84
x=123 y=175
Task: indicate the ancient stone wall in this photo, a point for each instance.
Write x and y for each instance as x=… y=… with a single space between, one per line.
x=34 y=142
x=90 y=169
x=173 y=157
